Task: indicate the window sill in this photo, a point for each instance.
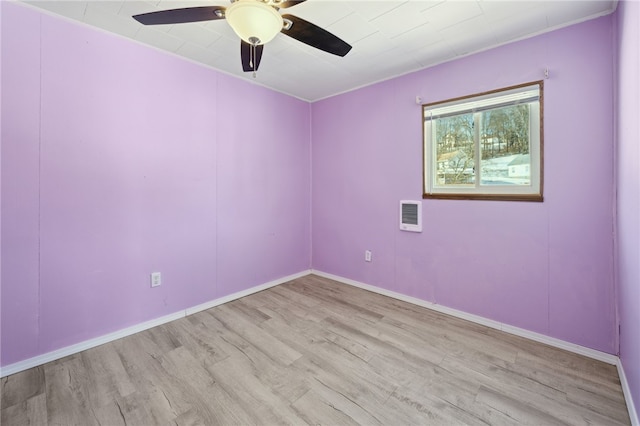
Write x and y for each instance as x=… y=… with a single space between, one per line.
x=489 y=197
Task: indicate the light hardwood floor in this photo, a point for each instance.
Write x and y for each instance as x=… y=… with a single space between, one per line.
x=314 y=351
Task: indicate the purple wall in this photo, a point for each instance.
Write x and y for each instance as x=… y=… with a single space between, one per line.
x=546 y=267
x=628 y=186
x=119 y=160
x=0 y=159
x=20 y=177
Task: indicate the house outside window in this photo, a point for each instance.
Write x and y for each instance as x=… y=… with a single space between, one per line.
x=486 y=146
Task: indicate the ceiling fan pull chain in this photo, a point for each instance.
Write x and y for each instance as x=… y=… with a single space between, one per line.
x=252 y=63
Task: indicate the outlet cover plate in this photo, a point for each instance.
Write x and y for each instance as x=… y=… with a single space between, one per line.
x=156 y=279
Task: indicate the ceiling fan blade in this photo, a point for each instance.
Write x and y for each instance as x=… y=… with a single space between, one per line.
x=287 y=3
x=181 y=16
x=250 y=59
x=315 y=36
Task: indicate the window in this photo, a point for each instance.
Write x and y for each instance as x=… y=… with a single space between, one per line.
x=486 y=146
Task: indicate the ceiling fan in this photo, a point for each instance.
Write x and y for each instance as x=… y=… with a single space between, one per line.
x=256 y=22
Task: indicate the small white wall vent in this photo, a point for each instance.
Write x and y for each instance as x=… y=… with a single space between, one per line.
x=411 y=215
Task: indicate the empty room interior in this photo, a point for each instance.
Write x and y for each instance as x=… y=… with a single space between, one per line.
x=384 y=212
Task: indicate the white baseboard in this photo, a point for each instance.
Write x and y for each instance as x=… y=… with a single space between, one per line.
x=101 y=340
x=551 y=341
x=91 y=343
x=626 y=390
x=87 y=344
x=243 y=293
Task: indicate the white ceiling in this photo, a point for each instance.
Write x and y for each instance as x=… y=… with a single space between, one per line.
x=389 y=37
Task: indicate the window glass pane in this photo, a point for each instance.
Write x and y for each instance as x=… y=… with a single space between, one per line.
x=454 y=147
x=504 y=146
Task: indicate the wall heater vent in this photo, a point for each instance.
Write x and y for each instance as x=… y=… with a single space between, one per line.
x=411 y=215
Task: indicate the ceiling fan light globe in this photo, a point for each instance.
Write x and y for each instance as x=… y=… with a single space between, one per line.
x=253 y=19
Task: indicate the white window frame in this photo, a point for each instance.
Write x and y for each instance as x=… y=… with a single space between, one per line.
x=524 y=93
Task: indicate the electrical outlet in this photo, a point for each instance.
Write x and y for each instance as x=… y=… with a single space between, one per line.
x=156 y=279
x=367 y=256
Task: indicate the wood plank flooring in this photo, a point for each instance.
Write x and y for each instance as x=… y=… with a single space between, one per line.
x=314 y=351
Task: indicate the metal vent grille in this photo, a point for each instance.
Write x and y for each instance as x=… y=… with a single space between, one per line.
x=410 y=214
